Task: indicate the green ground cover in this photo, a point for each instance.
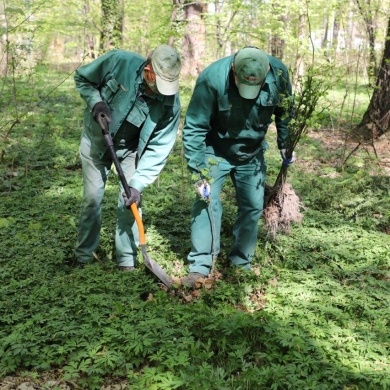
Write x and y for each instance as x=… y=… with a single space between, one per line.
x=314 y=314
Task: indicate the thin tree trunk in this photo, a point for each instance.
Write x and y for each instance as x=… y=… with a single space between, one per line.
x=369 y=17
x=336 y=29
x=277 y=41
x=325 y=39
x=89 y=39
x=299 y=65
x=174 y=19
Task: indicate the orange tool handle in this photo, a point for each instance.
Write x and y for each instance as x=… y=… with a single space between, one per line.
x=140 y=225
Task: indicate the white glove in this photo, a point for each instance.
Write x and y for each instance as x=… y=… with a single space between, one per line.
x=287 y=161
x=203 y=189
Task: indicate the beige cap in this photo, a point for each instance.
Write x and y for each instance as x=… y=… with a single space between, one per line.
x=166 y=65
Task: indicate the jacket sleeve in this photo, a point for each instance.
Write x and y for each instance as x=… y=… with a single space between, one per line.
x=198 y=123
x=283 y=112
x=157 y=150
x=90 y=77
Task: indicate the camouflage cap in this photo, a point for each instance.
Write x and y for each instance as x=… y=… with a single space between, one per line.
x=251 y=66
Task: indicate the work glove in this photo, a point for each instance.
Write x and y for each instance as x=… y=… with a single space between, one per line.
x=135 y=197
x=203 y=189
x=101 y=114
x=287 y=161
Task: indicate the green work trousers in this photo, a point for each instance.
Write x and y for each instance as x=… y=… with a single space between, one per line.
x=249 y=181
x=95 y=174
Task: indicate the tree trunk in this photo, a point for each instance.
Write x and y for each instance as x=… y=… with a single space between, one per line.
x=194 y=44
x=331 y=35
x=111 y=35
x=325 y=38
x=89 y=39
x=299 y=65
x=335 y=32
x=369 y=15
x=175 y=18
x=376 y=120
x=277 y=42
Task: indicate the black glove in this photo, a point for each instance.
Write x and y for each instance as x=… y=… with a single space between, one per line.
x=135 y=197
x=101 y=114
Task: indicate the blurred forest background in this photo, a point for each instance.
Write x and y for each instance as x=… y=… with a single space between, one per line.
x=349 y=36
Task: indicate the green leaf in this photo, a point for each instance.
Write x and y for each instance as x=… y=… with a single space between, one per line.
x=4 y=222
x=12 y=10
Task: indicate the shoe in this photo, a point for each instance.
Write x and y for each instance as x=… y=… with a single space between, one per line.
x=126 y=268
x=191 y=279
x=74 y=263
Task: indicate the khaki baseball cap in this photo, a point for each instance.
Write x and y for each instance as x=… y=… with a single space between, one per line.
x=251 y=66
x=166 y=65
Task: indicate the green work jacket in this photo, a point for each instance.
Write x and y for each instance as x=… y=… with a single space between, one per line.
x=115 y=78
x=234 y=127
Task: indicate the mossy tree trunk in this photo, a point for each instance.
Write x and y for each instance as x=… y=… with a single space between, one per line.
x=111 y=35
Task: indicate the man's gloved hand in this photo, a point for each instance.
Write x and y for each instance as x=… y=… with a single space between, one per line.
x=101 y=114
x=287 y=161
x=203 y=189
x=135 y=197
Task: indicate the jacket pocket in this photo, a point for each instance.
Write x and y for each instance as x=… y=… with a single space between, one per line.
x=223 y=116
x=138 y=114
x=269 y=99
x=110 y=90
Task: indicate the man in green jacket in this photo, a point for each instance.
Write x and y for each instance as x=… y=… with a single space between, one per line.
x=139 y=99
x=234 y=101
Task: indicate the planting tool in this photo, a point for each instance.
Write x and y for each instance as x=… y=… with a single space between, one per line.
x=150 y=263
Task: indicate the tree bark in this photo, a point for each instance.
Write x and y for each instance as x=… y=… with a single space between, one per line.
x=277 y=40
x=369 y=14
x=376 y=120
x=335 y=32
x=194 y=43
x=111 y=35
x=331 y=33
x=299 y=64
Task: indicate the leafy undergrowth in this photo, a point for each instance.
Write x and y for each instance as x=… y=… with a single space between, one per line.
x=313 y=314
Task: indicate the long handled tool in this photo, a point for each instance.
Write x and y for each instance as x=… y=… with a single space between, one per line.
x=150 y=264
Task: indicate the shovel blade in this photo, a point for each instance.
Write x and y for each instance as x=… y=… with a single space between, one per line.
x=155 y=268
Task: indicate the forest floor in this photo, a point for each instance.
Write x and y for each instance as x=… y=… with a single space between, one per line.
x=331 y=141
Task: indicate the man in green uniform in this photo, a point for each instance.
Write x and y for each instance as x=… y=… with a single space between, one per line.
x=139 y=99
x=234 y=101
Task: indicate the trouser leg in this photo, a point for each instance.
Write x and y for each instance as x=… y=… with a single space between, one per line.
x=206 y=222
x=95 y=172
x=126 y=234
x=249 y=182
